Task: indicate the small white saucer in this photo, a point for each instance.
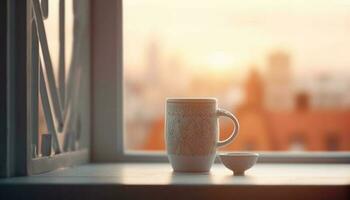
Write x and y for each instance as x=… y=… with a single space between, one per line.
x=239 y=162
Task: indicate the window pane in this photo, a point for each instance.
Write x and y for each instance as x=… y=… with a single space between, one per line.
x=282 y=67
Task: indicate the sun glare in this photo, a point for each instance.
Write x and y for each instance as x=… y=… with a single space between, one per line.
x=221 y=61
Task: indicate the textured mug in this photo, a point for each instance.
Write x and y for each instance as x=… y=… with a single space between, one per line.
x=192 y=132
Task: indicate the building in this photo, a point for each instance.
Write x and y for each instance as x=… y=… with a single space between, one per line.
x=300 y=128
x=262 y=129
x=278 y=82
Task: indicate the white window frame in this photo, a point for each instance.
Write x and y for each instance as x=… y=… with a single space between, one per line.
x=107 y=98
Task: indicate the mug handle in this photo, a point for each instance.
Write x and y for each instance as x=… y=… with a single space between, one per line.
x=221 y=112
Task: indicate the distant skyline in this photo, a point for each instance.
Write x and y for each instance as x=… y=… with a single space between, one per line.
x=231 y=35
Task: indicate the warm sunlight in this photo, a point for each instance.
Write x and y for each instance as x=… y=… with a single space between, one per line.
x=280 y=65
x=221 y=61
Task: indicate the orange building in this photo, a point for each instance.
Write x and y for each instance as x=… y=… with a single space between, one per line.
x=301 y=128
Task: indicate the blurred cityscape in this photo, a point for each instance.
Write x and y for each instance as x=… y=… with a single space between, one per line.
x=282 y=67
x=277 y=112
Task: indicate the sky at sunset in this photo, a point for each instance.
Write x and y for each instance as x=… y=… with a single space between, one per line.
x=231 y=35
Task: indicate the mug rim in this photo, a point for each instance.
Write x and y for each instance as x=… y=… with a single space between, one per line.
x=191 y=100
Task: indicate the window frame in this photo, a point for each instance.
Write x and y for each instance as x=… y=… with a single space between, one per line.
x=21 y=99
x=46 y=163
x=107 y=131
x=4 y=137
x=107 y=98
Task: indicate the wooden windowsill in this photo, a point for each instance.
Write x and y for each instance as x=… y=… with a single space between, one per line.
x=158 y=180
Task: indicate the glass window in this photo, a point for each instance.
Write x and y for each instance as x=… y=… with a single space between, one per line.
x=281 y=66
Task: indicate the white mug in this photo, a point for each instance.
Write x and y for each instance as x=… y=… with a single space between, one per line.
x=192 y=132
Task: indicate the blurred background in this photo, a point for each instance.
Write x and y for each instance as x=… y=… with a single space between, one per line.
x=282 y=67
